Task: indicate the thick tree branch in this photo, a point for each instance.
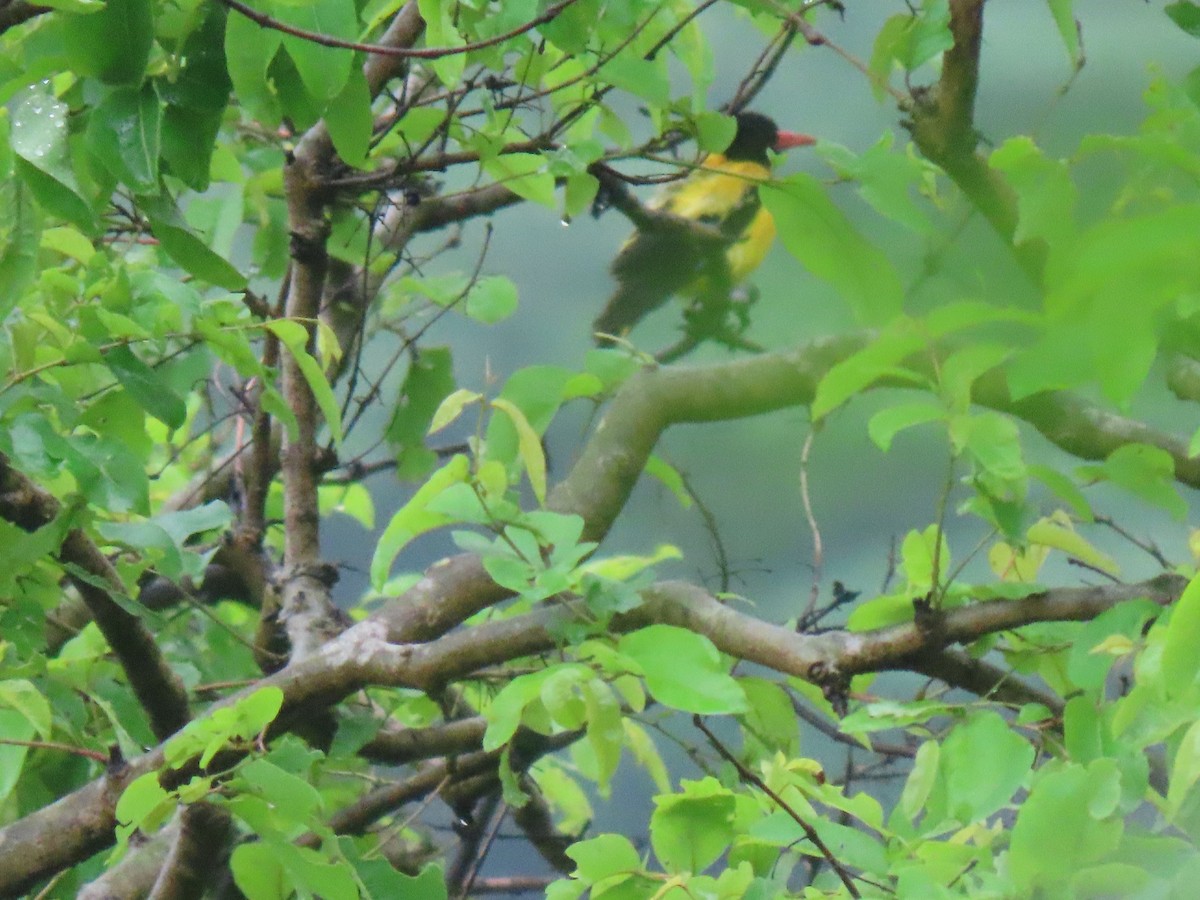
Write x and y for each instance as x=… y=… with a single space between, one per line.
x=943 y=127
x=596 y=488
x=137 y=871
x=159 y=690
x=983 y=679
x=1183 y=378
x=82 y=821
x=599 y=484
x=396 y=746
x=199 y=847
x=14 y=12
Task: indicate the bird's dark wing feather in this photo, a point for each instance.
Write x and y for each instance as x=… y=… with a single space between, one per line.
x=651 y=267
x=654 y=265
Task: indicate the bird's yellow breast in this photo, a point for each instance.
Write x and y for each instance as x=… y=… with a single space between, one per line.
x=713 y=192
x=715 y=189
x=747 y=252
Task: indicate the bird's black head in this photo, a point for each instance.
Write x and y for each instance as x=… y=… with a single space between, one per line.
x=756 y=134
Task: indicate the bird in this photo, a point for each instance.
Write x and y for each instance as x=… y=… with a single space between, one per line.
x=656 y=263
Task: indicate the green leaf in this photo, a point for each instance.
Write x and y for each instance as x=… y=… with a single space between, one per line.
x=249 y=50
x=1065 y=489
x=259 y=873
x=492 y=299
x=350 y=121
x=1185 y=770
x=641 y=77
x=714 y=131
x=39 y=139
x=920 y=781
x=505 y=712
x=886 y=179
x=657 y=467
x=1059 y=536
x=880 y=358
x=886 y=51
x=381 y=879
x=438 y=16
x=771 y=719
x=683 y=670
x=325 y=71
x=818 y=234
x=414 y=518
x=641 y=745
x=525 y=175
x=605 y=857
x=538 y=391
x=142 y=798
x=916 y=556
x=185 y=248
x=993 y=442
x=1180 y=661
x=1057 y=814
x=21 y=695
x=294 y=337
x=1145 y=471
x=605 y=734
x=75 y=6
x=529 y=445
x=1068 y=28
x=1186 y=15
x=20 y=237
x=69 y=242
x=429 y=381
x=912 y=40
x=1046 y=195
x=887 y=423
x=929 y=34
x=982 y=765
x=881 y=611
x=146 y=386
x=690 y=830
x=124 y=132
x=451 y=407
x=290 y=795
x=113 y=44
x=196 y=98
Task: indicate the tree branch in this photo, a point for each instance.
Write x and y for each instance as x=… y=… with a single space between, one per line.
x=199 y=847
x=158 y=689
x=15 y=12
x=388 y=49
x=943 y=127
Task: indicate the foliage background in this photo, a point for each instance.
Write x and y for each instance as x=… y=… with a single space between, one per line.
x=746 y=471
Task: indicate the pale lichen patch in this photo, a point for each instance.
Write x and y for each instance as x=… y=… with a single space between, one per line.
x=359 y=644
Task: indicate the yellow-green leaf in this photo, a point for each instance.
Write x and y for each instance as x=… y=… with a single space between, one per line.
x=451 y=407
x=529 y=445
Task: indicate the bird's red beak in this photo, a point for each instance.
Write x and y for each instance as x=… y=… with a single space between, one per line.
x=789 y=139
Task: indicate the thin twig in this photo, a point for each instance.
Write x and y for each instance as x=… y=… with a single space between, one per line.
x=833 y=733
x=811 y=833
x=817 y=546
x=488 y=839
x=95 y=755
x=325 y=40
x=713 y=528
x=1148 y=547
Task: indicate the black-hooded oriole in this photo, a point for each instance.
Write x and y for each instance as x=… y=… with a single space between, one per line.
x=722 y=192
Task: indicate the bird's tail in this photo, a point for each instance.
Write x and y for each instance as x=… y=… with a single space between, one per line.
x=629 y=304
